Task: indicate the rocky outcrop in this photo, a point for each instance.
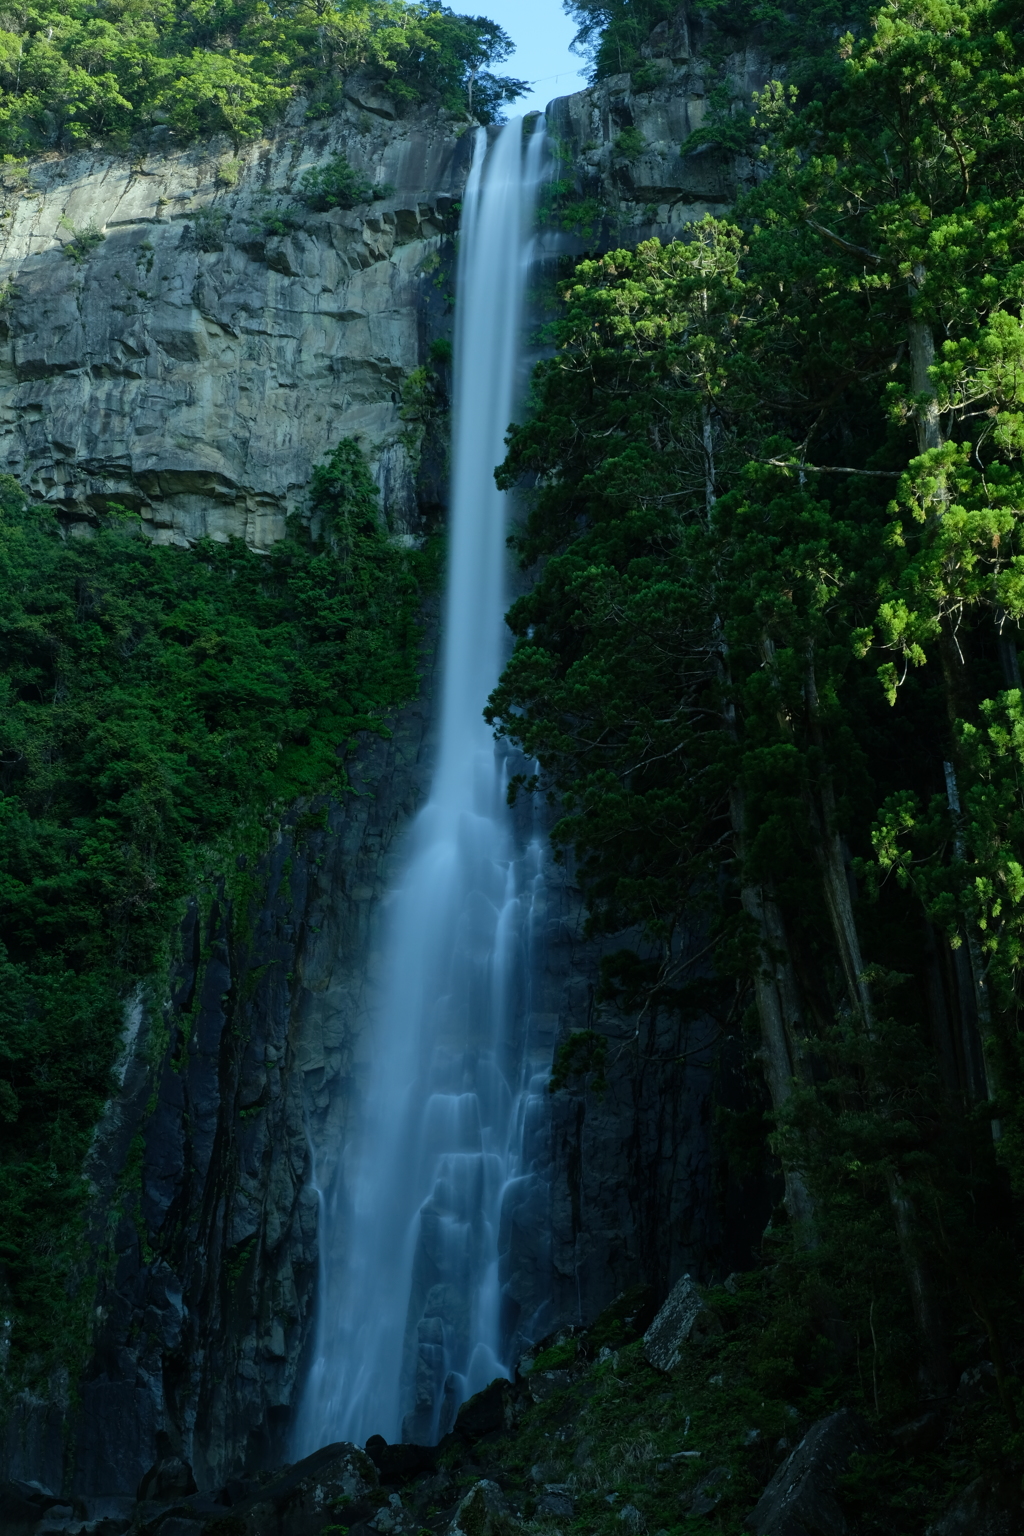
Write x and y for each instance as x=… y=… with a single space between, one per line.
x=627 y=135
x=683 y=1317
x=182 y=335
x=803 y=1498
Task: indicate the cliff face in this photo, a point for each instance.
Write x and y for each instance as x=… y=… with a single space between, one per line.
x=193 y=366
x=205 y=1215
x=627 y=143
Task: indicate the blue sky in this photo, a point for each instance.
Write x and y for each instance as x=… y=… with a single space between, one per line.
x=542 y=33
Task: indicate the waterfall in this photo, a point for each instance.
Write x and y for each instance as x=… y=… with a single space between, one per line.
x=415 y=1306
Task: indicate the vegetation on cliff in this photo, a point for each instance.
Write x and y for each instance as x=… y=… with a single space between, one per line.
x=159 y=709
x=770 y=664
x=72 y=72
x=615 y=35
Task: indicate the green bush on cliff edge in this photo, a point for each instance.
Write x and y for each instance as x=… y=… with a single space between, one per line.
x=159 y=708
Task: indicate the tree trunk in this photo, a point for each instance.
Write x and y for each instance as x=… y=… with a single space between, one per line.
x=775 y=985
x=935 y=1360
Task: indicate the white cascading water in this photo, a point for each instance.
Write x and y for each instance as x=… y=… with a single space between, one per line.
x=411 y=1285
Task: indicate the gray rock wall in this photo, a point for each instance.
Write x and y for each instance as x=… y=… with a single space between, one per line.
x=207 y=1288
x=661 y=188
x=196 y=372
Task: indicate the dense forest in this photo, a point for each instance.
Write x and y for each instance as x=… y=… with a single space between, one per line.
x=769 y=666
x=162 y=709
x=81 y=72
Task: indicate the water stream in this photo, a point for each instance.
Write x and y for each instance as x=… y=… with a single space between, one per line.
x=417 y=1303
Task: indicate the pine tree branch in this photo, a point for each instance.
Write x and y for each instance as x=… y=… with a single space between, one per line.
x=845 y=245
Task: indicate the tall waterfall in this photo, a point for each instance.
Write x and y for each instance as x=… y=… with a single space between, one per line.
x=415 y=1239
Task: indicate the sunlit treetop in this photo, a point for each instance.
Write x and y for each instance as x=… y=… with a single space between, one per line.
x=73 y=71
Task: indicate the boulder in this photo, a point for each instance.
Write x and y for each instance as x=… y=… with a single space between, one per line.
x=990 y=1506
x=555 y=1504
x=486 y=1413
x=336 y=1485
x=400 y=1463
x=802 y=1498
x=710 y=1491
x=683 y=1316
x=23 y=1505
x=484 y=1512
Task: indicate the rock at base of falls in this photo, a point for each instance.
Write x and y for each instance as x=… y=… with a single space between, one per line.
x=684 y=1316
x=484 y=1512
x=310 y=1493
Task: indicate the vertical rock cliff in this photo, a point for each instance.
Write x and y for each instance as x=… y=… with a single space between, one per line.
x=164 y=348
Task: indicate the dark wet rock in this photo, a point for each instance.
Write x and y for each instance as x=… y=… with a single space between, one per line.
x=337 y=1484
x=710 y=1491
x=990 y=1506
x=977 y=1382
x=802 y=1498
x=489 y=1412
x=169 y=1480
x=920 y=1434
x=23 y=1505
x=684 y=1316
x=400 y=1463
x=555 y=1504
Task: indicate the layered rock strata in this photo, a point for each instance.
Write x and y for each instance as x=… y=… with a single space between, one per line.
x=162 y=347
x=626 y=139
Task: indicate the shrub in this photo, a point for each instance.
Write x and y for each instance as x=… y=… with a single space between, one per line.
x=82 y=242
x=630 y=144
x=336 y=185
x=647 y=77
x=208 y=226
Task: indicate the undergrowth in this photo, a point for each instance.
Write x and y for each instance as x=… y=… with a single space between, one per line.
x=639 y=1450
x=159 y=709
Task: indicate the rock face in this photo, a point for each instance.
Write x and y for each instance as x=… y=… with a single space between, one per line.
x=206 y=1220
x=650 y=184
x=194 y=365
x=802 y=1497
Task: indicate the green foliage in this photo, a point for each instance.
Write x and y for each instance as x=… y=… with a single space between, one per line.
x=581 y=1058
x=769 y=664
x=208 y=227
x=692 y=1451
x=159 y=709
x=556 y=1357
x=648 y=77
x=72 y=72
x=630 y=144
x=278 y=221
x=82 y=241
x=336 y=185
x=612 y=32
